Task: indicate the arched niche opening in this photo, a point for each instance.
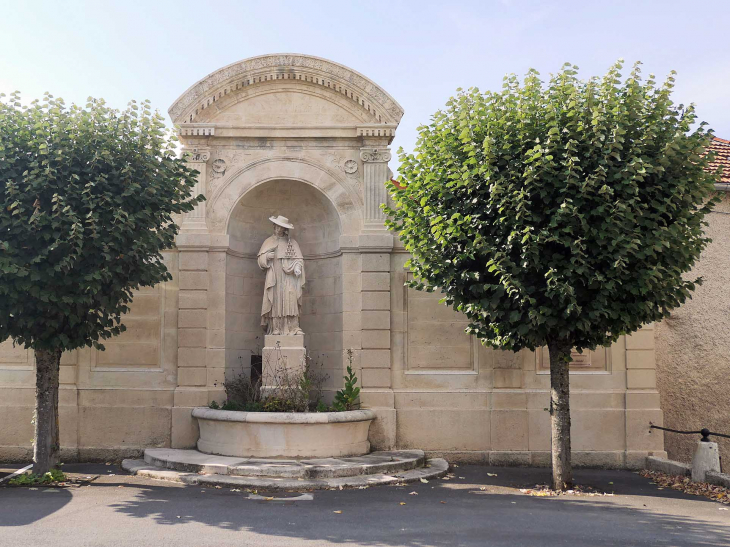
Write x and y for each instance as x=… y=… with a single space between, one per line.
x=317 y=229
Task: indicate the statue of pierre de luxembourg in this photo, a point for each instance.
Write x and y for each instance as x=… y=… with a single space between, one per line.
x=282 y=259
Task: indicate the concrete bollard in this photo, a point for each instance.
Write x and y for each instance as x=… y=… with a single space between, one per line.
x=706 y=458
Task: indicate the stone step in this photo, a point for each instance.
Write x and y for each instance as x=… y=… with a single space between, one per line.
x=193 y=461
x=434 y=468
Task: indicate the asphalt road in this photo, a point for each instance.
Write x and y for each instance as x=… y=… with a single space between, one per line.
x=119 y=510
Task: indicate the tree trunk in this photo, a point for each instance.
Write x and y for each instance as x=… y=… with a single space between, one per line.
x=560 y=414
x=46 y=445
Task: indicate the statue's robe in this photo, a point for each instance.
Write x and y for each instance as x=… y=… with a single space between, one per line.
x=283 y=288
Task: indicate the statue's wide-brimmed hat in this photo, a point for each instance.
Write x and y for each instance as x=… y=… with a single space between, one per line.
x=281 y=221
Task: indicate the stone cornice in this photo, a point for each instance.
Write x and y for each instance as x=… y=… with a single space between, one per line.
x=287 y=67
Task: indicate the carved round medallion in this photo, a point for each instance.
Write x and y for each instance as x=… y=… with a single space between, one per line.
x=219 y=166
x=350 y=166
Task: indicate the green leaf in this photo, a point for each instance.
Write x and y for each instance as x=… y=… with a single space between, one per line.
x=585 y=202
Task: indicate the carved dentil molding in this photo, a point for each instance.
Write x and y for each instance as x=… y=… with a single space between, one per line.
x=197 y=131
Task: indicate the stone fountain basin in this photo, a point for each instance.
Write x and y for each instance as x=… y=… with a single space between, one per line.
x=283 y=434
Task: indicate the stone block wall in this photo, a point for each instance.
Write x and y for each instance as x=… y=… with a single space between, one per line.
x=112 y=403
x=308 y=139
x=458 y=399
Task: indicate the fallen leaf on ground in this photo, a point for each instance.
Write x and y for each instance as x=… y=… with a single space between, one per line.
x=413 y=494
x=424 y=481
x=402 y=503
x=337 y=512
x=719 y=494
x=543 y=490
x=442 y=502
x=491 y=474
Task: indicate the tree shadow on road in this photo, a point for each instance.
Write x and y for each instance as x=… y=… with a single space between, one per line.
x=437 y=516
x=20 y=505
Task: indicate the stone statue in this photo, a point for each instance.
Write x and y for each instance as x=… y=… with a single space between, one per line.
x=282 y=259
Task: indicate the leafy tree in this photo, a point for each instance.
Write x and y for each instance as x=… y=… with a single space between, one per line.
x=560 y=215
x=86 y=203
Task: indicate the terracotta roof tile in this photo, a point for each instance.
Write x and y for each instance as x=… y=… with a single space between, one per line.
x=721 y=148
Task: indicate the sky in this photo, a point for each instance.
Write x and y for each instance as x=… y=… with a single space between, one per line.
x=418 y=51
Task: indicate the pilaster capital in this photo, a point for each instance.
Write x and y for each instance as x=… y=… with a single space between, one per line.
x=196 y=154
x=375 y=155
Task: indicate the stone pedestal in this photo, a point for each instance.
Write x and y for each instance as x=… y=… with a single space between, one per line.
x=706 y=458
x=283 y=360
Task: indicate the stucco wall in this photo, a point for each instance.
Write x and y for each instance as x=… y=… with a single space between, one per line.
x=693 y=350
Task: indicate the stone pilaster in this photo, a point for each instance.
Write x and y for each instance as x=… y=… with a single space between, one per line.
x=201 y=330
x=642 y=398
x=195 y=221
x=375 y=321
x=375 y=174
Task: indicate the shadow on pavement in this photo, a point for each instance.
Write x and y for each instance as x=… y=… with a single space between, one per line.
x=25 y=507
x=441 y=514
